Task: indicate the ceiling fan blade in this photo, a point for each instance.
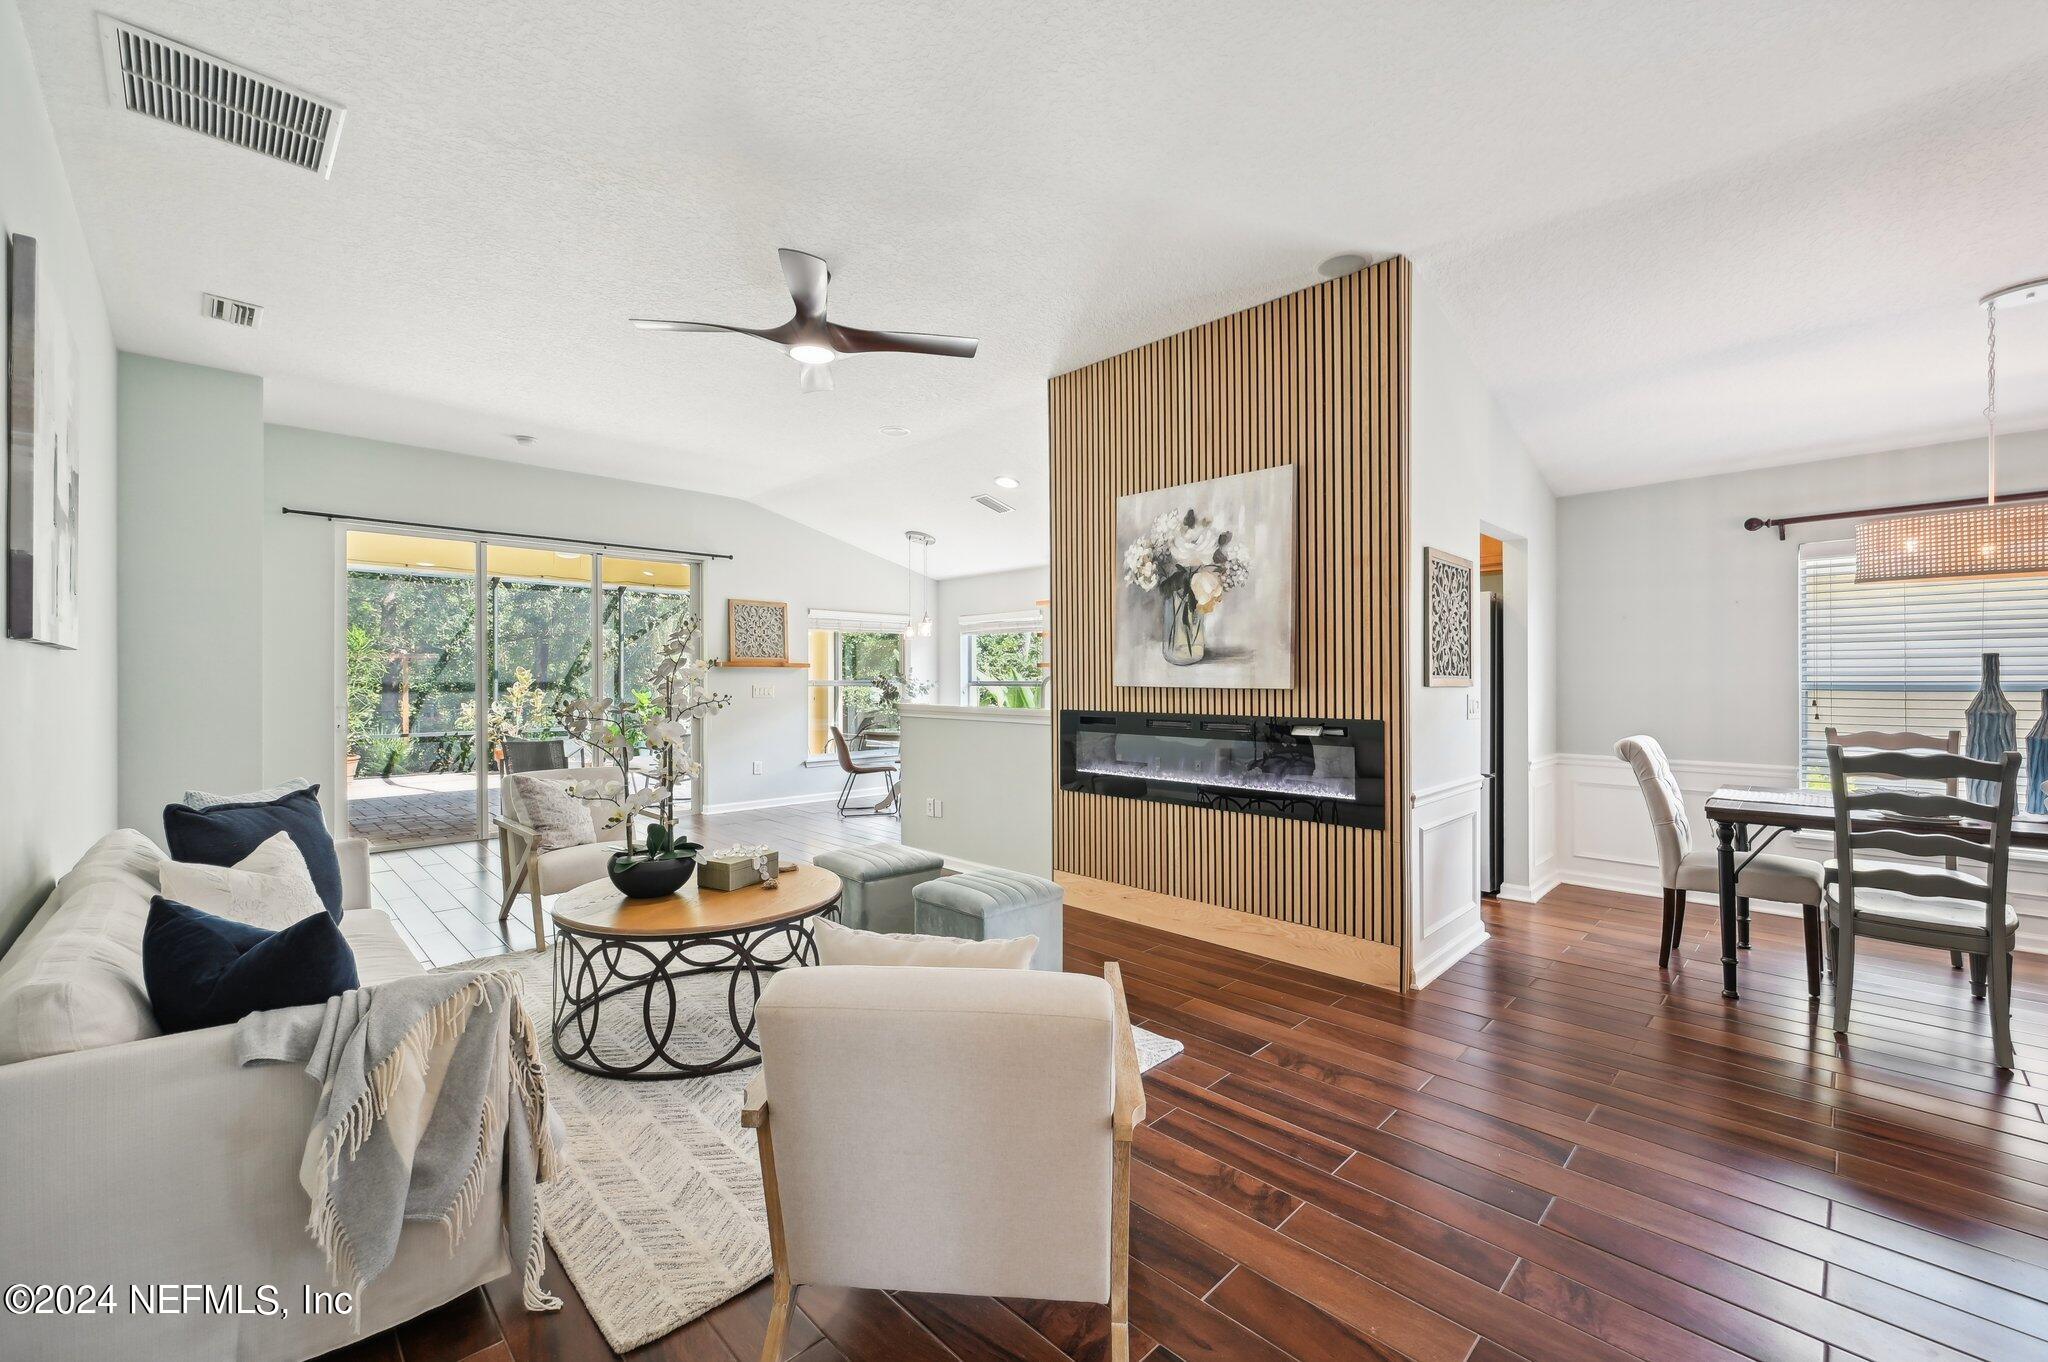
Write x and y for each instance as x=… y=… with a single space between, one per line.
x=853 y=340
x=658 y=324
x=815 y=378
x=807 y=277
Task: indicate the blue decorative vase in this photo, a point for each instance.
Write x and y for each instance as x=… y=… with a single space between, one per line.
x=2037 y=760
x=1991 y=730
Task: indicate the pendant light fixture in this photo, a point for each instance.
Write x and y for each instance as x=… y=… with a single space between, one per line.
x=1995 y=539
x=919 y=546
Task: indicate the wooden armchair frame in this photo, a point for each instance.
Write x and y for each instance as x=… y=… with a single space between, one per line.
x=528 y=875
x=1127 y=1111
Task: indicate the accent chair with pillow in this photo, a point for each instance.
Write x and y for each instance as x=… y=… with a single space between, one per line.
x=550 y=841
x=992 y=1109
x=1776 y=879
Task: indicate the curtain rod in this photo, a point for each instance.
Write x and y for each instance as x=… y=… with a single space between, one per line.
x=467 y=532
x=1779 y=524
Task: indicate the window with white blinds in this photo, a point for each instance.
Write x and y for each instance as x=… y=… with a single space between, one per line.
x=1907 y=655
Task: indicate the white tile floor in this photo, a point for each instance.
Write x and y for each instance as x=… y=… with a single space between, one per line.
x=446 y=898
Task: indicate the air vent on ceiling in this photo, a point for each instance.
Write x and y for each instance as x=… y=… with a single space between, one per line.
x=153 y=76
x=989 y=503
x=233 y=311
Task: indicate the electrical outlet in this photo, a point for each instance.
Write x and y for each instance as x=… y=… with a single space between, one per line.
x=762 y=692
x=1471 y=705
x=760 y=769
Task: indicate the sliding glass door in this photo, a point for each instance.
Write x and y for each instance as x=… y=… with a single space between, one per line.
x=459 y=655
x=411 y=652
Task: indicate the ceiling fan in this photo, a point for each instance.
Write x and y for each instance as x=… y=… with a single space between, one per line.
x=814 y=342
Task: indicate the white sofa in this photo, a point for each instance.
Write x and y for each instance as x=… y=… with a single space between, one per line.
x=134 y=1159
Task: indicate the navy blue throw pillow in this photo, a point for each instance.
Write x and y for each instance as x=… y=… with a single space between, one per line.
x=203 y=970
x=225 y=833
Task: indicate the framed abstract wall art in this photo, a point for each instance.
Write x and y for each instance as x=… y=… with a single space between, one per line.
x=42 y=458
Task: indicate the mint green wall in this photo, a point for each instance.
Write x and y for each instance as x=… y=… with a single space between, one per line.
x=191 y=508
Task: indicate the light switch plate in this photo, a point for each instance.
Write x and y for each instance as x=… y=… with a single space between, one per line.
x=1471 y=706
x=760 y=769
x=762 y=692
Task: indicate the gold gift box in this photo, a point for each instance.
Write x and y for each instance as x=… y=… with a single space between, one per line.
x=736 y=874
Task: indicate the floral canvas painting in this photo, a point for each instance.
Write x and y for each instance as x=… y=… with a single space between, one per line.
x=1206 y=584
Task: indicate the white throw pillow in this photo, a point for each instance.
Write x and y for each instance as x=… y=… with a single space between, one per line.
x=269 y=794
x=558 y=818
x=839 y=945
x=73 y=981
x=269 y=888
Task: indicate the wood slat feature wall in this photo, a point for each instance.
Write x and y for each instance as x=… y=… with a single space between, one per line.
x=1318 y=379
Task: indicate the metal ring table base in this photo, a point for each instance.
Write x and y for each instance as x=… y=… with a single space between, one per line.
x=590 y=970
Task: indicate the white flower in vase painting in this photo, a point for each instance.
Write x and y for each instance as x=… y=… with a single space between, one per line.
x=1207 y=595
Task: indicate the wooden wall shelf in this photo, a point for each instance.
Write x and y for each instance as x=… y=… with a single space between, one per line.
x=761 y=662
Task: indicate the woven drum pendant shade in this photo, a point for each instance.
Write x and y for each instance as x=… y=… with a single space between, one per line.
x=1996 y=540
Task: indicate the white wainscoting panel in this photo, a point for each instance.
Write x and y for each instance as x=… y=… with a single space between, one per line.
x=1447 y=923
x=1603 y=836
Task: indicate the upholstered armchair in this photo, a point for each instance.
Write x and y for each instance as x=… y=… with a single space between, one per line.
x=522 y=864
x=1682 y=869
x=963 y=1131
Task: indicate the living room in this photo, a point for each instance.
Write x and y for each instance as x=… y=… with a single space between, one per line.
x=1363 y=684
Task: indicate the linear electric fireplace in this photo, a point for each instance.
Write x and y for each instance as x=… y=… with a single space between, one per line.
x=1316 y=770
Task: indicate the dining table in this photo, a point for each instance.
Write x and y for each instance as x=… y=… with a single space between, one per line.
x=1739 y=814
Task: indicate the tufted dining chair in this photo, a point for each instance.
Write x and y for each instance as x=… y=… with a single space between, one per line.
x=1682 y=869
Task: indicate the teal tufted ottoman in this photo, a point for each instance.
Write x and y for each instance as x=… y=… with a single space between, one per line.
x=991 y=905
x=876 y=883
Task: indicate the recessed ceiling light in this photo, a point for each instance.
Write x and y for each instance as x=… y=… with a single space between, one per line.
x=564 y=553
x=1007 y=481
x=423 y=564
x=521 y=439
x=1337 y=266
x=647 y=572
x=895 y=430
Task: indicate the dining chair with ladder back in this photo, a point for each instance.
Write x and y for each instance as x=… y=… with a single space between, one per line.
x=854 y=771
x=1903 y=740
x=1775 y=879
x=1914 y=905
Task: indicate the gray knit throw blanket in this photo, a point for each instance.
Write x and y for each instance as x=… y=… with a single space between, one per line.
x=422 y=1080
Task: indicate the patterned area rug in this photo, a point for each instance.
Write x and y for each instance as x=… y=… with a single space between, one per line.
x=658 y=1216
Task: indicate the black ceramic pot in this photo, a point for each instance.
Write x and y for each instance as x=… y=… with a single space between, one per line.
x=650 y=879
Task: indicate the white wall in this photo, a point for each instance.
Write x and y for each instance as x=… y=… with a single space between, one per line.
x=1468 y=473
x=984 y=594
x=1683 y=625
x=191 y=506
x=57 y=716
x=774 y=559
x=988 y=776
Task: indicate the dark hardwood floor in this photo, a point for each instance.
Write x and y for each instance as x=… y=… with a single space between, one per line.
x=1555 y=1153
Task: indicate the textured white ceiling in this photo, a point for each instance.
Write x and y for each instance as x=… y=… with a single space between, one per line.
x=1679 y=238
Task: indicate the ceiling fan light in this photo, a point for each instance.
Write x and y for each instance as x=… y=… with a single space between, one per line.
x=813 y=354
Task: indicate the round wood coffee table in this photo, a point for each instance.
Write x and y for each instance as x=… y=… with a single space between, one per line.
x=610 y=949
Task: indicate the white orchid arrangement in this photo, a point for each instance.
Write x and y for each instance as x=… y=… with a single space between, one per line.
x=656 y=720
x=1187 y=555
